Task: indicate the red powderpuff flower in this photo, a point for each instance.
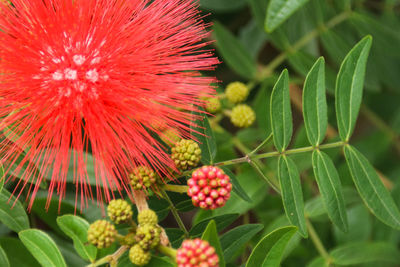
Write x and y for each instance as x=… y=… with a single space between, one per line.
x=96 y=75
x=196 y=253
x=209 y=187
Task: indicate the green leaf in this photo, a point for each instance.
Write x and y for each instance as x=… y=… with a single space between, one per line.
x=376 y=197
x=259 y=10
x=12 y=213
x=268 y=252
x=358 y=253
x=52 y=211
x=280 y=10
x=42 y=248
x=222 y=221
x=331 y=189
x=76 y=228
x=202 y=132
x=292 y=195
x=236 y=187
x=233 y=52
x=314 y=103
x=349 y=87
x=222 y=5
x=236 y=238
x=3 y=258
x=281 y=113
x=211 y=235
x=17 y=253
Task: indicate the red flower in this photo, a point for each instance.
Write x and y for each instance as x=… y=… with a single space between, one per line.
x=96 y=75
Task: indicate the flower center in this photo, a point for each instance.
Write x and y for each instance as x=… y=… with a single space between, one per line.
x=74 y=72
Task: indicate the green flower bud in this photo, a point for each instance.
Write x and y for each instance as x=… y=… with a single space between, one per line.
x=148 y=236
x=236 y=92
x=138 y=256
x=119 y=211
x=243 y=116
x=142 y=177
x=147 y=217
x=186 y=154
x=101 y=234
x=213 y=105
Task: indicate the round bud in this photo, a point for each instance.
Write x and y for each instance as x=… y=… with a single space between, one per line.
x=148 y=236
x=119 y=211
x=147 y=217
x=213 y=105
x=236 y=92
x=142 y=177
x=101 y=234
x=243 y=116
x=197 y=252
x=186 y=154
x=209 y=187
x=138 y=256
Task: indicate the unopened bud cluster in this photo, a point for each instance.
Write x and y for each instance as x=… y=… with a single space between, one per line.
x=195 y=253
x=147 y=237
x=236 y=92
x=243 y=116
x=186 y=154
x=119 y=211
x=101 y=234
x=209 y=187
x=141 y=238
x=142 y=177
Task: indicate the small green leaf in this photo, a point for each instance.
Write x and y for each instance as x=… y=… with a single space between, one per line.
x=76 y=228
x=236 y=238
x=358 y=253
x=211 y=235
x=314 y=103
x=3 y=258
x=268 y=252
x=376 y=197
x=331 y=189
x=280 y=10
x=12 y=213
x=349 y=87
x=202 y=132
x=236 y=187
x=222 y=221
x=233 y=52
x=281 y=112
x=42 y=248
x=292 y=194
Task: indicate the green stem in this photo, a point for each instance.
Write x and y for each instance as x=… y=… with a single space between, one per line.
x=256 y=164
x=317 y=242
x=267 y=70
x=175 y=213
x=261 y=145
x=299 y=150
x=273 y=184
x=170 y=252
x=249 y=158
x=176 y=188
